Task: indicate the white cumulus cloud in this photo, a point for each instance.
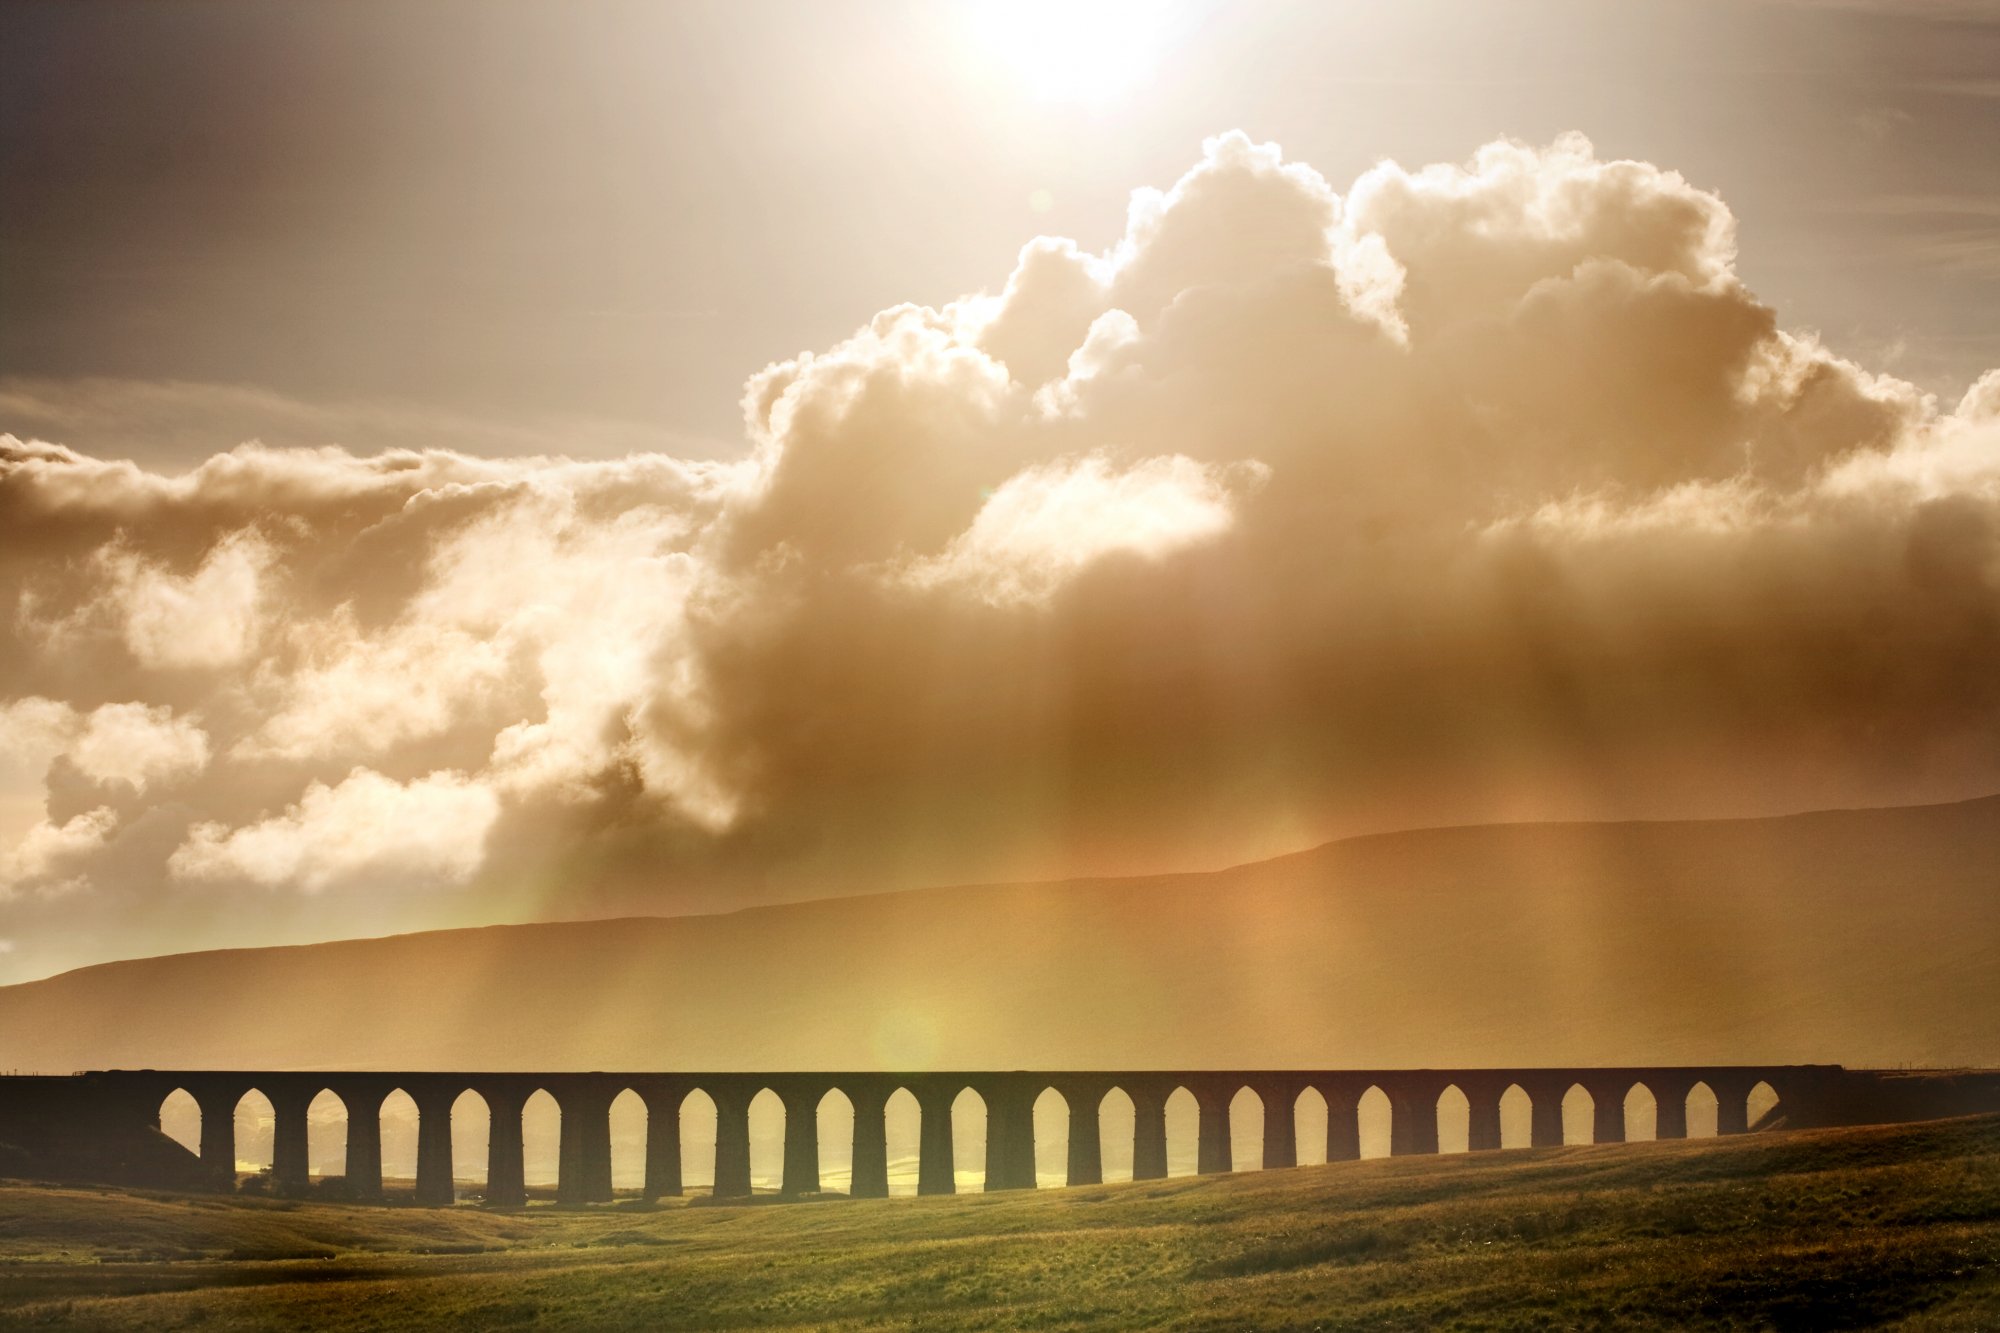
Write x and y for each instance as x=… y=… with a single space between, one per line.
x=431 y=830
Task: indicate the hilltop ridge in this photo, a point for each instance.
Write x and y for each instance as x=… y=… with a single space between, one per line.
x=1865 y=937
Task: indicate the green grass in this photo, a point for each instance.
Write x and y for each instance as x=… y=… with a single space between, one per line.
x=1894 y=1226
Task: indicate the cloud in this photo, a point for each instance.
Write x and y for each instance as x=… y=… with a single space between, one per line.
x=134 y=745
x=180 y=423
x=433 y=829
x=205 y=618
x=50 y=850
x=1482 y=489
x=137 y=744
x=1045 y=524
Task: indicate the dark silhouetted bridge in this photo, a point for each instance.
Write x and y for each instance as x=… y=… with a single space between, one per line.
x=98 y=1103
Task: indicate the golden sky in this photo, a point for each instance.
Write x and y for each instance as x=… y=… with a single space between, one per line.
x=477 y=462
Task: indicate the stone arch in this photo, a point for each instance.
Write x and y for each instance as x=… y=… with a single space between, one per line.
x=1642 y=1113
x=1373 y=1118
x=180 y=1119
x=1051 y=1130
x=697 y=1129
x=968 y=1139
x=1117 y=1119
x=1701 y=1109
x=256 y=1133
x=1245 y=1135
x=626 y=1117
x=767 y=1140
x=1517 y=1117
x=1760 y=1102
x=541 y=1143
x=833 y=1122
x=399 y=1141
x=1309 y=1115
x=903 y=1139
x=327 y=1125
x=1579 y=1115
x=471 y=1137
x=1183 y=1116
x=1454 y=1120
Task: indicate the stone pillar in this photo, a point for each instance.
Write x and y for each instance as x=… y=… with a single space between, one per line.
x=1545 y=1115
x=1212 y=1147
x=871 y=1143
x=1010 y=1139
x=1732 y=1108
x=364 y=1141
x=434 y=1185
x=732 y=1144
x=1343 y=1124
x=1086 y=1139
x=1281 y=1130
x=663 y=1146
x=1413 y=1120
x=1149 y=1133
x=801 y=1145
x=1482 y=1119
x=1670 y=1110
x=936 y=1171
x=218 y=1136
x=506 y=1167
x=583 y=1170
x=583 y=1173
x=1607 y=1114
x=291 y=1167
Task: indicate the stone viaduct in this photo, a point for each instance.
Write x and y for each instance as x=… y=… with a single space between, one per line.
x=585 y=1101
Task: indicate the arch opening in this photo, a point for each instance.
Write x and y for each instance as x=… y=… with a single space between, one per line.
x=903 y=1128
x=1517 y=1117
x=326 y=1137
x=1373 y=1116
x=471 y=1139
x=541 y=1144
x=1309 y=1127
x=1183 y=1133
x=399 y=1143
x=1246 y=1131
x=698 y=1140
x=628 y=1141
x=1701 y=1107
x=968 y=1141
x=767 y=1141
x=180 y=1119
x=1763 y=1100
x=1579 y=1115
x=1117 y=1118
x=1052 y=1139
x=1642 y=1114
x=833 y=1119
x=1454 y=1120
x=256 y=1132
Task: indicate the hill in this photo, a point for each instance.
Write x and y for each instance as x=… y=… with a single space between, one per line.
x=1884 y=1226
x=1867 y=937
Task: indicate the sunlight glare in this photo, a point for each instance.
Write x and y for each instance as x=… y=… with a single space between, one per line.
x=1089 y=51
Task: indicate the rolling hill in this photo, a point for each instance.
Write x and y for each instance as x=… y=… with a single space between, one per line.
x=1866 y=937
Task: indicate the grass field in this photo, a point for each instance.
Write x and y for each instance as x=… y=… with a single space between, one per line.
x=1892 y=1226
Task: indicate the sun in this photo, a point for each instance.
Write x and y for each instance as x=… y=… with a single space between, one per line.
x=1087 y=51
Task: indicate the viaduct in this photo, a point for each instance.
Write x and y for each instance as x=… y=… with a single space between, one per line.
x=74 y=1109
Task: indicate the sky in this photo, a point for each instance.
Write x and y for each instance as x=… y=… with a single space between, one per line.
x=466 y=463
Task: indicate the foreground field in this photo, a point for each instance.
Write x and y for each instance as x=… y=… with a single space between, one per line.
x=1896 y=1226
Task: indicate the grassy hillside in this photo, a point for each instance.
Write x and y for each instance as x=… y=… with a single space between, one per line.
x=1859 y=937
x=1895 y=1226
